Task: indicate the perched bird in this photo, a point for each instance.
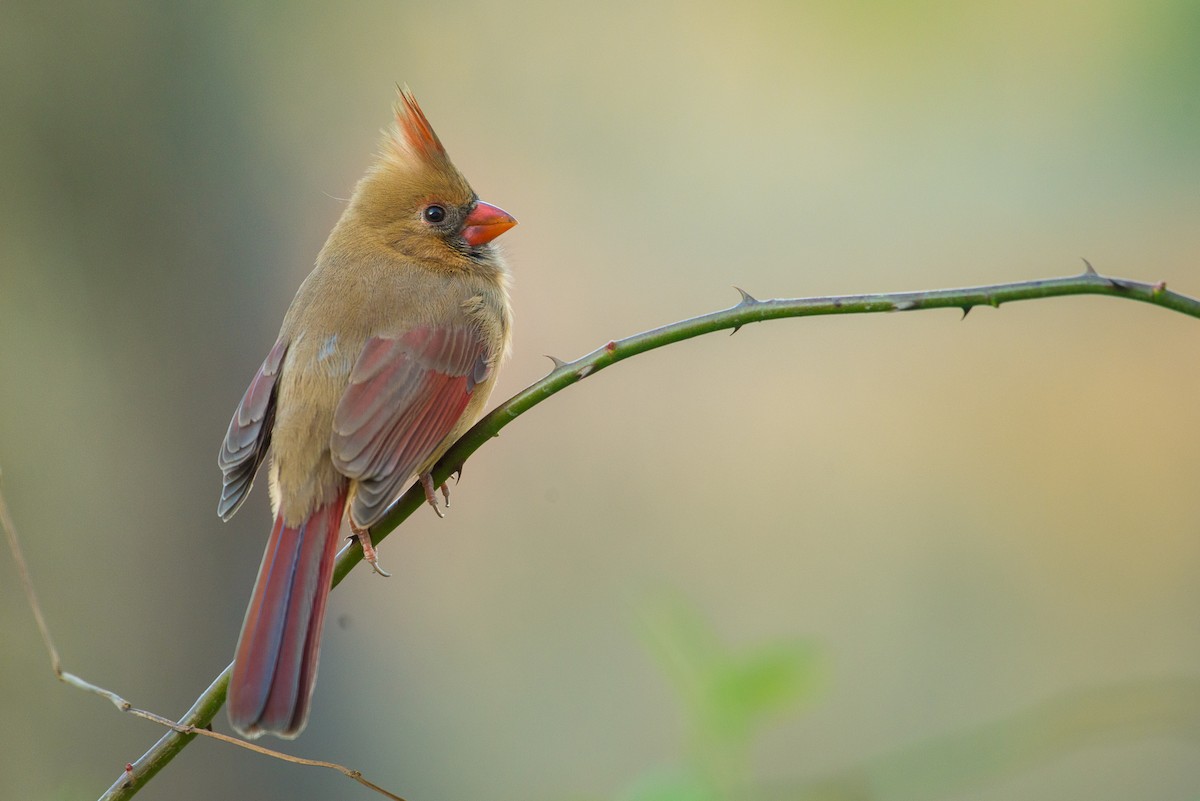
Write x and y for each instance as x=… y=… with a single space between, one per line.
x=387 y=354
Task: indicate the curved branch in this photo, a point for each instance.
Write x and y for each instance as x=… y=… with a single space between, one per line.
x=564 y=374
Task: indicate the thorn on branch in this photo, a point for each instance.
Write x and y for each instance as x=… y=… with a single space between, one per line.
x=747 y=298
x=586 y=370
x=966 y=310
x=558 y=363
x=1088 y=269
x=736 y=328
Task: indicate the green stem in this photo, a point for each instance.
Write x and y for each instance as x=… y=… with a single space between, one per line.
x=565 y=374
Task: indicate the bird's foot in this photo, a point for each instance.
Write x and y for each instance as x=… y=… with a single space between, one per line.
x=364 y=539
x=431 y=496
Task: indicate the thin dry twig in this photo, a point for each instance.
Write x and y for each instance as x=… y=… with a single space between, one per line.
x=14 y=546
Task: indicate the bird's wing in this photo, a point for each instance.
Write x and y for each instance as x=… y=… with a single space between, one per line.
x=404 y=398
x=249 y=434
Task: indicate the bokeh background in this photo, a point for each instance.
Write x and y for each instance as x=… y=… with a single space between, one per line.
x=985 y=534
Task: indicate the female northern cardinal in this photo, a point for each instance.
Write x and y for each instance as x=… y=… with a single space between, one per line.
x=387 y=354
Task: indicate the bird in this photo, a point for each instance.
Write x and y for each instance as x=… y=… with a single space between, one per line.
x=387 y=354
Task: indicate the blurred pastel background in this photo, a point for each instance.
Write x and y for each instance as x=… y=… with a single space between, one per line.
x=975 y=545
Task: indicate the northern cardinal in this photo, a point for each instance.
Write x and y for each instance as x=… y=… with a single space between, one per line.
x=387 y=354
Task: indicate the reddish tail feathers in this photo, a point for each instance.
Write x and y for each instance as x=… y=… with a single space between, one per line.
x=276 y=662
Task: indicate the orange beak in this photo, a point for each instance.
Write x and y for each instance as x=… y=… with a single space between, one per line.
x=485 y=223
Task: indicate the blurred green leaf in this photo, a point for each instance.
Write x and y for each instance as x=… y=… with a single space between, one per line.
x=683 y=644
x=727 y=693
x=770 y=681
x=670 y=785
x=727 y=696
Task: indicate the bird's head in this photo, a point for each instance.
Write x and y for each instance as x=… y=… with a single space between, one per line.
x=420 y=202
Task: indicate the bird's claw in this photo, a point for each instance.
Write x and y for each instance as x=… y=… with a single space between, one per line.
x=371 y=556
x=431 y=496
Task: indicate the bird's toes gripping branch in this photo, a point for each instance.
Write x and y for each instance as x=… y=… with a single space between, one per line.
x=363 y=535
x=431 y=495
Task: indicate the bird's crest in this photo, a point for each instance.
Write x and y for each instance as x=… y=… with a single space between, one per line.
x=414 y=137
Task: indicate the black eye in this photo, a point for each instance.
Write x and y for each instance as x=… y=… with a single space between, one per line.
x=434 y=214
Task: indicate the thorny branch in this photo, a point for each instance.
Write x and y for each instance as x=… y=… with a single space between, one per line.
x=564 y=374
